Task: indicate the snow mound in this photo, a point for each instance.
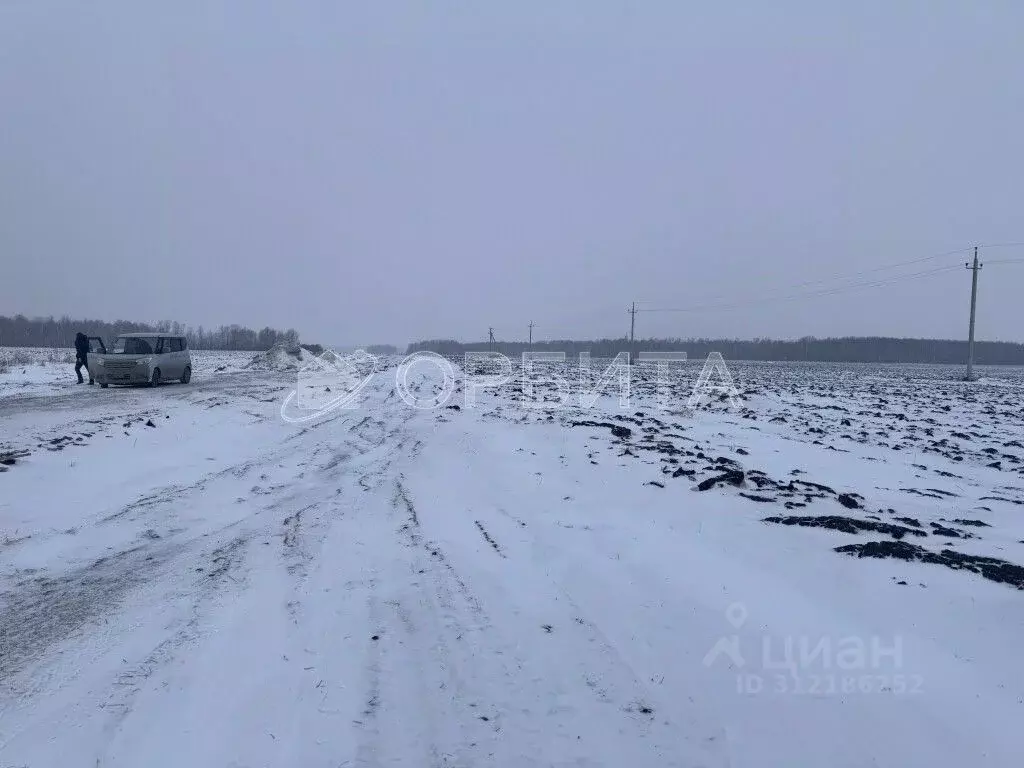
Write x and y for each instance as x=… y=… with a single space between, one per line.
x=280 y=357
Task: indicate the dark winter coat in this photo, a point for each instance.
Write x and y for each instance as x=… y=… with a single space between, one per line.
x=81 y=345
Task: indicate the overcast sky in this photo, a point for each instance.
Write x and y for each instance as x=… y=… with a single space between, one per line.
x=386 y=171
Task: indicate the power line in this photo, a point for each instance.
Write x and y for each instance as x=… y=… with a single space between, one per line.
x=886 y=267
x=920 y=260
x=809 y=294
x=1002 y=245
x=633 y=310
x=861 y=273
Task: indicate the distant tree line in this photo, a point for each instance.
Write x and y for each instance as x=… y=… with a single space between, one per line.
x=20 y=331
x=849 y=349
x=382 y=349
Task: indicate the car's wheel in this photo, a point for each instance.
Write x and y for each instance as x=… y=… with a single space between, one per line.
x=155 y=380
x=186 y=375
x=104 y=385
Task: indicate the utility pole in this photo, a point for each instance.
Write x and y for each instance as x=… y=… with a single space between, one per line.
x=975 y=267
x=490 y=339
x=632 y=328
x=531 y=333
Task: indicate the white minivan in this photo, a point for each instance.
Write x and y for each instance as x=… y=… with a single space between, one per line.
x=142 y=358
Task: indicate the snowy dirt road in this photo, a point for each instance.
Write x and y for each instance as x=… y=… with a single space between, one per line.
x=186 y=579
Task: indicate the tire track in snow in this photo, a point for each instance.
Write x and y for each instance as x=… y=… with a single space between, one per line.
x=707 y=743
x=579 y=657
x=514 y=686
x=415 y=704
x=127 y=685
x=370 y=740
x=43 y=611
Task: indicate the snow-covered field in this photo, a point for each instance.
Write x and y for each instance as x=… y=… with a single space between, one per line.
x=828 y=575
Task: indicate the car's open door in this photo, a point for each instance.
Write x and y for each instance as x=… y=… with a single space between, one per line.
x=96 y=345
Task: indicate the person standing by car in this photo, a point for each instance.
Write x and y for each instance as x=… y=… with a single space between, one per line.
x=82 y=355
